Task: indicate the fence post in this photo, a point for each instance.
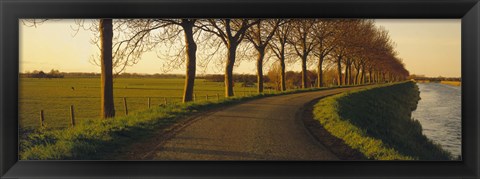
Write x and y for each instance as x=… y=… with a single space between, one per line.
x=72 y=116
x=42 y=119
x=125 y=105
x=218 y=97
x=206 y=97
x=165 y=100
x=148 y=102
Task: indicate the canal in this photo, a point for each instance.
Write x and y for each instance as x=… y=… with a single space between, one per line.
x=439 y=113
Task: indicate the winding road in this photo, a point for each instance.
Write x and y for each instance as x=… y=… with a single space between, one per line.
x=263 y=129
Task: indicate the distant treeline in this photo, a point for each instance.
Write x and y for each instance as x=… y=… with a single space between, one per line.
x=56 y=74
x=40 y=74
x=272 y=79
x=433 y=79
x=246 y=79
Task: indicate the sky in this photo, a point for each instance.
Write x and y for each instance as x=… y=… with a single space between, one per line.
x=430 y=47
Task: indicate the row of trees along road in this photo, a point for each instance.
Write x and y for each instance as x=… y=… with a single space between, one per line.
x=361 y=52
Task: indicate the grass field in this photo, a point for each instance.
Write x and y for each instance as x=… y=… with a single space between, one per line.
x=54 y=97
x=378 y=123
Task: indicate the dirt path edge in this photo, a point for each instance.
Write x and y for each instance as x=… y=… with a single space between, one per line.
x=144 y=149
x=336 y=145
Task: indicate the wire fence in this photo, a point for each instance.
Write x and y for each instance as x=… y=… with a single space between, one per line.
x=67 y=116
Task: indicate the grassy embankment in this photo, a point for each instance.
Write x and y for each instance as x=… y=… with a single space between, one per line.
x=377 y=122
x=93 y=138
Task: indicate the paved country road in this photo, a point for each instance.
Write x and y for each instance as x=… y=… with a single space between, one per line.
x=263 y=129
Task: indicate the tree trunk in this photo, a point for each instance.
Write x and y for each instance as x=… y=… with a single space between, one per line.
x=370 y=75
x=350 y=77
x=378 y=77
x=347 y=73
x=373 y=76
x=356 y=75
x=339 y=69
x=304 y=71
x=232 y=50
x=106 y=87
x=345 y=79
x=282 y=76
x=191 y=48
x=261 y=54
x=363 y=75
x=320 y=72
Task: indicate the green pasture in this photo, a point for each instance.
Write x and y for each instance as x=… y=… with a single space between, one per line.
x=54 y=97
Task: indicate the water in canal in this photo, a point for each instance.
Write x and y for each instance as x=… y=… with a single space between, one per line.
x=439 y=112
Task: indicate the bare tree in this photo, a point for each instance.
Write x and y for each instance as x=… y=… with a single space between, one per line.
x=303 y=42
x=324 y=33
x=191 y=50
x=274 y=74
x=367 y=49
x=278 y=46
x=345 y=29
x=146 y=34
x=382 y=52
x=120 y=46
x=231 y=32
x=260 y=35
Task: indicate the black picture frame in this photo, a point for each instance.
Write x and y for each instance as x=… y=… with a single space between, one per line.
x=11 y=11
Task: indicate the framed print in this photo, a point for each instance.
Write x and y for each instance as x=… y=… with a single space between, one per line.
x=275 y=88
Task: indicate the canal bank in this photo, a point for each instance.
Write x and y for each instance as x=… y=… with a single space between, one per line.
x=378 y=123
x=439 y=113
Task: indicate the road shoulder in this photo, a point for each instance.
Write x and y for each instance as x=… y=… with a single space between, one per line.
x=336 y=145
